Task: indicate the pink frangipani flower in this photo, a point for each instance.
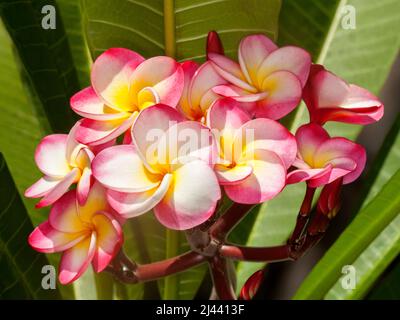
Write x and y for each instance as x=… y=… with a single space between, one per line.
x=85 y=234
x=330 y=98
x=253 y=154
x=63 y=161
x=181 y=188
x=198 y=93
x=268 y=80
x=322 y=159
x=122 y=84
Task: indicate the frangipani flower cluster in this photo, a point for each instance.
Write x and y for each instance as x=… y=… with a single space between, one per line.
x=173 y=138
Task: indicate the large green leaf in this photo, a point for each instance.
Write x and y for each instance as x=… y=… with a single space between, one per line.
x=20 y=266
x=385 y=164
x=71 y=15
x=46 y=57
x=354 y=241
x=371 y=263
x=20 y=129
x=139 y=24
x=350 y=53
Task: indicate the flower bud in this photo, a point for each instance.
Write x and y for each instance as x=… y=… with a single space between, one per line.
x=252 y=285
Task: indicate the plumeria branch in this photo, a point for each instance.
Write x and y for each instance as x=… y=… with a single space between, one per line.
x=208 y=244
x=128 y=271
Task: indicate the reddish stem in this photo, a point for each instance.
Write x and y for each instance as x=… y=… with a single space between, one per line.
x=264 y=254
x=170 y=266
x=220 y=276
x=229 y=220
x=129 y=272
x=303 y=215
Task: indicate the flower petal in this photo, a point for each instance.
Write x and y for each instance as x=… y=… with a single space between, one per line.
x=225 y=117
x=150 y=126
x=41 y=187
x=120 y=168
x=93 y=132
x=264 y=183
x=111 y=76
x=189 y=204
x=228 y=176
x=109 y=240
x=253 y=50
x=284 y=94
x=238 y=94
x=203 y=81
x=230 y=71
x=301 y=175
x=61 y=188
x=168 y=81
x=75 y=260
x=46 y=239
x=309 y=137
x=330 y=176
x=292 y=59
x=50 y=156
x=184 y=142
x=265 y=134
x=226 y=114
x=131 y=205
x=87 y=104
x=83 y=186
x=335 y=148
x=189 y=69
x=64 y=215
x=96 y=202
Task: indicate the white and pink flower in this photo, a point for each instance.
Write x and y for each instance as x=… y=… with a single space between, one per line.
x=253 y=154
x=330 y=98
x=63 y=161
x=83 y=233
x=123 y=84
x=181 y=189
x=268 y=80
x=322 y=159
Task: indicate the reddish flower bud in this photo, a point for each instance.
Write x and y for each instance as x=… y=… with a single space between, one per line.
x=329 y=200
x=252 y=285
x=327 y=208
x=330 y=98
x=214 y=44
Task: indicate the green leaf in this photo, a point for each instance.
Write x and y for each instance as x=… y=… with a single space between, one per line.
x=139 y=24
x=371 y=263
x=20 y=266
x=20 y=129
x=354 y=242
x=360 y=55
x=71 y=15
x=385 y=164
x=46 y=57
x=134 y=250
x=388 y=288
